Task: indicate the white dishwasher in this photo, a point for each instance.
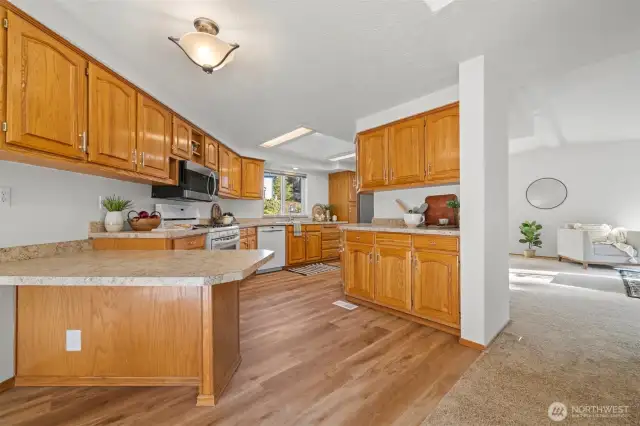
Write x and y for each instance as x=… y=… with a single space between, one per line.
x=272 y=238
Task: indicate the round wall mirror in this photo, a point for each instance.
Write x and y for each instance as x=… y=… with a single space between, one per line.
x=546 y=193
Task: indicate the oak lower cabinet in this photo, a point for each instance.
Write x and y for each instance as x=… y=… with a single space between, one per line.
x=359 y=271
x=415 y=277
x=313 y=246
x=248 y=239
x=112 y=120
x=46 y=92
x=193 y=242
x=436 y=287
x=296 y=248
x=393 y=277
x=306 y=247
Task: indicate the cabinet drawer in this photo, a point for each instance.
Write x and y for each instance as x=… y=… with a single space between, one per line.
x=330 y=244
x=360 y=237
x=327 y=236
x=330 y=254
x=251 y=231
x=435 y=242
x=312 y=228
x=243 y=232
x=190 y=243
x=330 y=228
x=396 y=240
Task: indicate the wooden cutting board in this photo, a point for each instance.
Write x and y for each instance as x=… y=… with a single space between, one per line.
x=438 y=209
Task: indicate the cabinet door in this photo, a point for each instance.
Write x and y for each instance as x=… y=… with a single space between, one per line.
x=244 y=243
x=224 y=161
x=343 y=257
x=406 y=152
x=252 y=178
x=352 y=187
x=313 y=246
x=443 y=145
x=154 y=137
x=236 y=175
x=253 y=242
x=372 y=159
x=211 y=153
x=359 y=271
x=295 y=249
x=436 y=288
x=112 y=120
x=46 y=92
x=353 y=213
x=181 y=146
x=393 y=278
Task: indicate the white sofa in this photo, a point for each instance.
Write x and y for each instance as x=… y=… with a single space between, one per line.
x=578 y=246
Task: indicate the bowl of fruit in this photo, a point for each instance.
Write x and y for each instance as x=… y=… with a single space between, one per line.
x=143 y=221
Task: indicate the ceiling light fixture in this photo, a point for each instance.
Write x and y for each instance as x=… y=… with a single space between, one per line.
x=343 y=157
x=294 y=134
x=204 y=48
x=295 y=168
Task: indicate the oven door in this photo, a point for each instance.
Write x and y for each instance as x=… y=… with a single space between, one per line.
x=214 y=244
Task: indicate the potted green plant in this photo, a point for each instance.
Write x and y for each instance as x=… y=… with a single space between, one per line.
x=455 y=205
x=113 y=221
x=531 y=234
x=327 y=211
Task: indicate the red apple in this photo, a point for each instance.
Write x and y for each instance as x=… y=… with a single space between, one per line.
x=143 y=215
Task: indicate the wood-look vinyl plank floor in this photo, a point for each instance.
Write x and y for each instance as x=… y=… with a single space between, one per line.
x=304 y=362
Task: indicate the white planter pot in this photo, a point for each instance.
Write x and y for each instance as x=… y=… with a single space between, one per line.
x=529 y=253
x=113 y=222
x=413 y=219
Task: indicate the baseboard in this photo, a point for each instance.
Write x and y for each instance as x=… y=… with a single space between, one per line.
x=481 y=347
x=105 y=381
x=8 y=384
x=428 y=323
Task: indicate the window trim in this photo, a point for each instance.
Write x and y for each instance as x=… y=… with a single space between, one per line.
x=303 y=190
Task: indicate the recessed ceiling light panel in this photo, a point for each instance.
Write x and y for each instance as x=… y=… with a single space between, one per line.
x=294 y=134
x=343 y=157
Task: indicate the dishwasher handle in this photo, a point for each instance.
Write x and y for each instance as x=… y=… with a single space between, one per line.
x=270 y=231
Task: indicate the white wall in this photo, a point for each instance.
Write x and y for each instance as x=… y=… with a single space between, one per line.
x=583 y=128
x=384 y=202
x=384 y=205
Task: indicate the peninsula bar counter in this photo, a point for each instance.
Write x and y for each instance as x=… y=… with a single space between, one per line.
x=144 y=318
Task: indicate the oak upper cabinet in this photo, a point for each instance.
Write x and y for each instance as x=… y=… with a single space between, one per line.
x=236 y=175
x=352 y=213
x=181 y=146
x=436 y=287
x=359 y=271
x=112 y=120
x=393 y=277
x=224 y=163
x=252 y=178
x=372 y=159
x=353 y=196
x=295 y=248
x=341 y=193
x=313 y=246
x=154 y=137
x=406 y=151
x=211 y=153
x=46 y=92
x=443 y=145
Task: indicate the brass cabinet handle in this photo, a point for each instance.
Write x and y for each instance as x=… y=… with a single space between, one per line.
x=378 y=258
x=143 y=159
x=391 y=174
x=370 y=257
x=429 y=169
x=134 y=156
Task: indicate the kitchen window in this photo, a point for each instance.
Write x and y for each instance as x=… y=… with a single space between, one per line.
x=284 y=194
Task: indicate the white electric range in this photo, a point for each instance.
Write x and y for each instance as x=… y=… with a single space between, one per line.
x=219 y=237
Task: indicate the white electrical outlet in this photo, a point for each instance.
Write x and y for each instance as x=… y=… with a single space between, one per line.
x=5 y=197
x=74 y=341
x=99 y=202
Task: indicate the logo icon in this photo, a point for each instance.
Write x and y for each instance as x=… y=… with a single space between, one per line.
x=557 y=411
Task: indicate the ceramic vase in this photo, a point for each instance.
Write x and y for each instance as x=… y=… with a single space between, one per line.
x=113 y=222
x=529 y=253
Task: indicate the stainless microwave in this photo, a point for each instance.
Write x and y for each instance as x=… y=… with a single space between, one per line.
x=195 y=183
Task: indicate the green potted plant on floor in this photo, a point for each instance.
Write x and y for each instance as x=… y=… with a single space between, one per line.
x=531 y=236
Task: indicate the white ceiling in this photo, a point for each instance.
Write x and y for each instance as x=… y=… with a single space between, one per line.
x=325 y=63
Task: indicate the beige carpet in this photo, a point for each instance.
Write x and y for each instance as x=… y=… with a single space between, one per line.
x=565 y=343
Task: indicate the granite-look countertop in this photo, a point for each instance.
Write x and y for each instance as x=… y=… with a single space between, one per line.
x=400 y=229
x=135 y=268
x=166 y=234
x=260 y=224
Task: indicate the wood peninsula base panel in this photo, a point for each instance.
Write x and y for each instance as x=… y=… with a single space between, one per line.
x=129 y=336
x=415 y=277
